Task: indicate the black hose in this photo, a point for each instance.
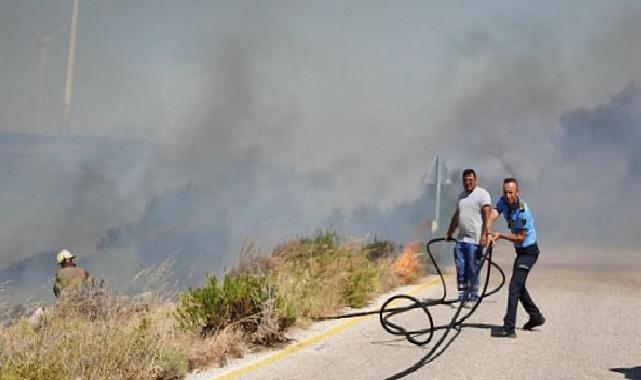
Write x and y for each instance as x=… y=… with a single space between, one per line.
x=385 y=312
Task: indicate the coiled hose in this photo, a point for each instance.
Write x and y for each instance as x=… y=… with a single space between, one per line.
x=414 y=336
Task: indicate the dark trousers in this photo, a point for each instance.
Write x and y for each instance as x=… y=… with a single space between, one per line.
x=525 y=260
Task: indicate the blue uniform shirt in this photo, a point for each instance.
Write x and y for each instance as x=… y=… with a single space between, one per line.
x=519 y=219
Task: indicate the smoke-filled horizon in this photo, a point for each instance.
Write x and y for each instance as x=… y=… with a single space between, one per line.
x=253 y=118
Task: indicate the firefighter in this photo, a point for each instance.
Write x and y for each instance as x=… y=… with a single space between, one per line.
x=69 y=274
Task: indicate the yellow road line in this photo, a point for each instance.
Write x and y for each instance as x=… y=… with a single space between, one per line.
x=309 y=341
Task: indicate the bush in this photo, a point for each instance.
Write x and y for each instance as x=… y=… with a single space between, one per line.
x=362 y=282
x=30 y=369
x=326 y=240
x=170 y=364
x=240 y=299
x=320 y=275
x=379 y=249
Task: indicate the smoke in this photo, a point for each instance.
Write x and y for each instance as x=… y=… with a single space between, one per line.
x=198 y=123
x=600 y=171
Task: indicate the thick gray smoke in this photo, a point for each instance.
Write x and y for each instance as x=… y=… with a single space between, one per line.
x=195 y=123
x=599 y=175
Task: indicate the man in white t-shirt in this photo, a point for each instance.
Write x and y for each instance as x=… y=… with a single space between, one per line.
x=471 y=218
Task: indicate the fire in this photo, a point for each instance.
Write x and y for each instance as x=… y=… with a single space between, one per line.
x=407 y=265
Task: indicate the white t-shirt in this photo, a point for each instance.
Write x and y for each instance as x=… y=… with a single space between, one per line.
x=470 y=221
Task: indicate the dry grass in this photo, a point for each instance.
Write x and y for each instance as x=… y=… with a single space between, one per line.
x=321 y=280
x=388 y=278
x=75 y=342
x=129 y=341
x=226 y=344
x=4 y=302
x=109 y=337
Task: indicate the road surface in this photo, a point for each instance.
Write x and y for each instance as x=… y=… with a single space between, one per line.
x=591 y=300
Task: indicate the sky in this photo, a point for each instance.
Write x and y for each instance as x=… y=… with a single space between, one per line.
x=292 y=110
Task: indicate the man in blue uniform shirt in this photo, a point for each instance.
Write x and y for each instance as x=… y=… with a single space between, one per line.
x=523 y=234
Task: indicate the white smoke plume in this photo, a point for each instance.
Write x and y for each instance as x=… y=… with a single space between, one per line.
x=196 y=123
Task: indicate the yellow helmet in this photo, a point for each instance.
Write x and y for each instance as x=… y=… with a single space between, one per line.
x=63 y=256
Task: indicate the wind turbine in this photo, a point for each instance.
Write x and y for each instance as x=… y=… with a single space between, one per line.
x=43 y=42
x=71 y=60
x=436 y=176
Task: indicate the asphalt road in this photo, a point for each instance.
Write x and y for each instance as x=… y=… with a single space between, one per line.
x=591 y=300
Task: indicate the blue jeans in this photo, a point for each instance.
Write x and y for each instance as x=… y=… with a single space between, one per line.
x=466 y=256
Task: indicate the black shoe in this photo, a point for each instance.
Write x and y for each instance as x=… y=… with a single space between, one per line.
x=534 y=322
x=505 y=332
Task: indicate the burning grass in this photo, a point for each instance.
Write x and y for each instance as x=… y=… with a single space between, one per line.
x=250 y=307
x=408 y=267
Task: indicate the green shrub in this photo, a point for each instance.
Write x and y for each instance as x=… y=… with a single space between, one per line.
x=171 y=364
x=327 y=239
x=379 y=249
x=318 y=276
x=361 y=283
x=239 y=299
x=286 y=312
x=29 y=369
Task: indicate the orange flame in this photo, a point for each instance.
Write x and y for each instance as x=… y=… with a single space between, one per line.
x=407 y=265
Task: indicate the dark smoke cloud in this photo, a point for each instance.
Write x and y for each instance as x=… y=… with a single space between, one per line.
x=594 y=133
x=598 y=174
